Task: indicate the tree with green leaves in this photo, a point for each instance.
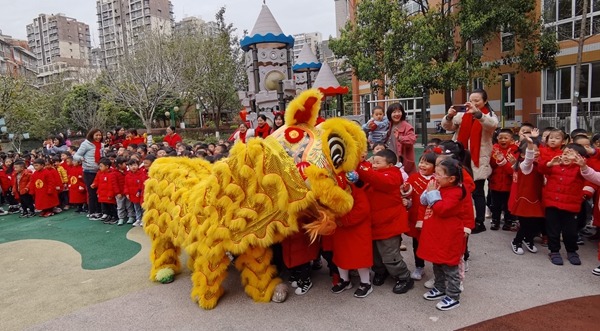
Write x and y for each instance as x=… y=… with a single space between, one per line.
x=214 y=70
x=439 y=48
x=85 y=108
x=17 y=101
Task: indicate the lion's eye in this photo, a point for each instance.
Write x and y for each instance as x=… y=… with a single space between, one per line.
x=337 y=150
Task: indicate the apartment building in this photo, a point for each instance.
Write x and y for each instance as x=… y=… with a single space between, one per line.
x=543 y=98
x=120 y=23
x=313 y=39
x=15 y=57
x=58 y=38
x=343 y=8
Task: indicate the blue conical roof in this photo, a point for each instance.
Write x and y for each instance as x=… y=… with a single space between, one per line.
x=267 y=30
x=307 y=61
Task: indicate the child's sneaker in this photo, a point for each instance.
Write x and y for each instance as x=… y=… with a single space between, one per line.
x=430 y=283
x=363 y=290
x=31 y=214
x=120 y=222
x=130 y=221
x=23 y=214
x=596 y=271
x=56 y=210
x=530 y=246
x=555 y=258
x=303 y=286
x=517 y=249
x=544 y=241
x=3 y=212
x=317 y=264
x=137 y=223
x=48 y=214
x=507 y=226
x=417 y=274
x=573 y=258
x=447 y=304
x=341 y=286
x=495 y=225
x=580 y=241
x=14 y=209
x=434 y=294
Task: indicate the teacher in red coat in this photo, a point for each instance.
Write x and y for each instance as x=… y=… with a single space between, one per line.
x=172 y=138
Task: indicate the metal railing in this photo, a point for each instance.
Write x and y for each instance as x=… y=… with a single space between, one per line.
x=589 y=121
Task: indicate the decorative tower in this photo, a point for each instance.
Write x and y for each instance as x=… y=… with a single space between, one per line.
x=306 y=68
x=330 y=87
x=268 y=65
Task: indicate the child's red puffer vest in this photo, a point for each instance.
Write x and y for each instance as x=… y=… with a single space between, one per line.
x=564 y=187
x=501 y=178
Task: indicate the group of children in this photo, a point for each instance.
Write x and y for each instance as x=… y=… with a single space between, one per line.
x=52 y=181
x=540 y=186
x=537 y=185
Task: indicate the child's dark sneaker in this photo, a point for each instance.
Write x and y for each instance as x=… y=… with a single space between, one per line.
x=23 y=214
x=363 y=290
x=317 y=264
x=530 y=246
x=379 y=279
x=434 y=294
x=31 y=214
x=580 y=241
x=573 y=258
x=507 y=226
x=447 y=304
x=341 y=286
x=479 y=228
x=303 y=286
x=402 y=286
x=495 y=225
x=555 y=258
x=596 y=271
x=517 y=248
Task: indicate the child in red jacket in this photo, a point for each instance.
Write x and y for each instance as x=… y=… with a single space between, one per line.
x=77 y=189
x=104 y=188
x=417 y=185
x=525 y=200
x=503 y=156
x=134 y=187
x=389 y=220
x=562 y=199
x=352 y=244
x=124 y=206
x=44 y=186
x=446 y=226
x=21 y=179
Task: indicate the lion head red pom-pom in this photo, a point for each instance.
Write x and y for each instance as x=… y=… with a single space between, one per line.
x=293 y=135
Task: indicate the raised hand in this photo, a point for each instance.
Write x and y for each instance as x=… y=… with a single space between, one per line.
x=535 y=132
x=555 y=161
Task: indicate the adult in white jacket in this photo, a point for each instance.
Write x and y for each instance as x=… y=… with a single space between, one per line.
x=475 y=130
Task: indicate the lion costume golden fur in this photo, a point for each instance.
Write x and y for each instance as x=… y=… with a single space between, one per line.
x=245 y=203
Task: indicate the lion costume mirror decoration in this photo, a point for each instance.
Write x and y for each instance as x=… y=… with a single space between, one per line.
x=254 y=198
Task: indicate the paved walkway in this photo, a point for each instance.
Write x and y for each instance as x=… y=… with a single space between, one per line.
x=46 y=288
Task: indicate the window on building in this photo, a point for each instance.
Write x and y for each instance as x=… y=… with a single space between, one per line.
x=565 y=15
x=478 y=84
x=595 y=79
x=508 y=42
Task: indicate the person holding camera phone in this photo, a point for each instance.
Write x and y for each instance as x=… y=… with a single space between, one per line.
x=474 y=128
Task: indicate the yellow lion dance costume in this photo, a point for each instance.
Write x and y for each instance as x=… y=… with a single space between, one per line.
x=249 y=201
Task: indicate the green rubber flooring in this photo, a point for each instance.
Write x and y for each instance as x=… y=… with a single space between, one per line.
x=101 y=246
